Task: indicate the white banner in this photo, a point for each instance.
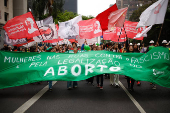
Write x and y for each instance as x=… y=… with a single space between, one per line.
x=69 y=28
x=154 y=14
x=143 y=33
x=48 y=32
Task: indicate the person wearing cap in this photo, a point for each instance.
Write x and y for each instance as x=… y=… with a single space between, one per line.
x=9 y=48
x=151 y=44
x=164 y=43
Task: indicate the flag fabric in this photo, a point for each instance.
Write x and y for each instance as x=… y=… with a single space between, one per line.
x=89 y=29
x=21 y=27
x=47 y=29
x=29 y=44
x=9 y=41
x=54 y=40
x=103 y=17
x=48 y=32
x=46 y=21
x=117 y=34
x=143 y=33
x=131 y=31
x=117 y=18
x=69 y=29
x=154 y=14
x=128 y=30
x=16 y=42
x=89 y=41
x=107 y=35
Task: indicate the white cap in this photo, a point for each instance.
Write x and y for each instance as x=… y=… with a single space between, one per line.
x=78 y=45
x=151 y=42
x=164 y=42
x=130 y=44
x=138 y=44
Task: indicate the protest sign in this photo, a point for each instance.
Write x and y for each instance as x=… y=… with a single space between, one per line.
x=19 y=68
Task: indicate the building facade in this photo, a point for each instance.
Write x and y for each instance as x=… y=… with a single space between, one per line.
x=132 y=5
x=19 y=7
x=6 y=11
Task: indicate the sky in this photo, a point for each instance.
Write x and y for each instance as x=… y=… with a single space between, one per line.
x=93 y=7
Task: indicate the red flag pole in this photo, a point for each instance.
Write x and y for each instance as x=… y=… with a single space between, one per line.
x=37 y=26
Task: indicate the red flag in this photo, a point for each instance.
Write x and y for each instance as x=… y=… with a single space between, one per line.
x=103 y=17
x=117 y=18
x=22 y=26
x=107 y=35
x=116 y=35
x=131 y=31
x=89 y=29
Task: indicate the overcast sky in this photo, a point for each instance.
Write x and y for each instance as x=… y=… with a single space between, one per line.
x=93 y=7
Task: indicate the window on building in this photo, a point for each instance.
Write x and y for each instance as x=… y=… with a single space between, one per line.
x=6 y=16
x=5 y=2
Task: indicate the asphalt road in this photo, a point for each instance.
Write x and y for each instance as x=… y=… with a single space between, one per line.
x=86 y=98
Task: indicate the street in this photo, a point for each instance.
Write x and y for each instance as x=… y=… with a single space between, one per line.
x=84 y=99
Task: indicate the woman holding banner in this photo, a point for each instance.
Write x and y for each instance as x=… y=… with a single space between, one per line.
x=69 y=83
x=114 y=78
x=130 y=81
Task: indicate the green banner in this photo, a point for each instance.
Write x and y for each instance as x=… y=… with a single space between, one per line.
x=19 y=68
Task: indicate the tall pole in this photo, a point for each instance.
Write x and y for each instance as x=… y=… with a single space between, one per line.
x=160 y=33
x=98 y=40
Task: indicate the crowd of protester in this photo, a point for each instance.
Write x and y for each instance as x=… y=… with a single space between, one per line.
x=114 y=47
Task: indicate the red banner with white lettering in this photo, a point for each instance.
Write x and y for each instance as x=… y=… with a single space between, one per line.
x=114 y=35
x=22 y=26
x=89 y=29
x=130 y=28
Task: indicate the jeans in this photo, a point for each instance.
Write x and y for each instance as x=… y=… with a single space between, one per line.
x=50 y=84
x=69 y=84
x=101 y=79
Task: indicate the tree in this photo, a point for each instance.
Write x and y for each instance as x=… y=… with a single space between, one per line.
x=67 y=15
x=153 y=34
x=51 y=7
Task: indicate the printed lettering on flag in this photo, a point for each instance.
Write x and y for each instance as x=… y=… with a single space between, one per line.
x=89 y=29
x=108 y=35
x=22 y=26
